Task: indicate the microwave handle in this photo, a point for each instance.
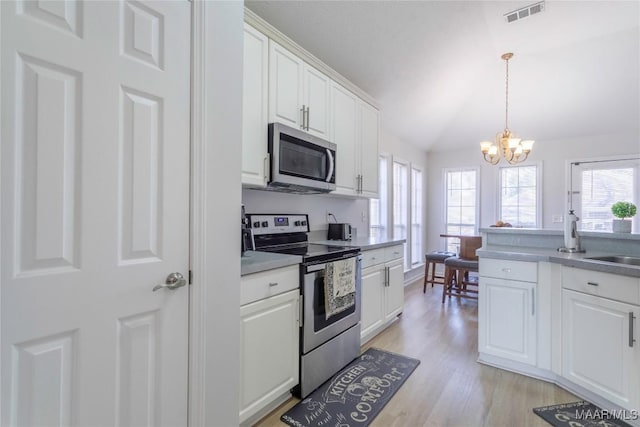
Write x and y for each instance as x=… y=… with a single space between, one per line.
x=331 y=166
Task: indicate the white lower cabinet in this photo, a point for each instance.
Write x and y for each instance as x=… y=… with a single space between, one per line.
x=600 y=337
x=269 y=345
x=507 y=310
x=382 y=298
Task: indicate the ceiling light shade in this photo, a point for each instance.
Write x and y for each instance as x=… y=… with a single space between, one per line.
x=506 y=145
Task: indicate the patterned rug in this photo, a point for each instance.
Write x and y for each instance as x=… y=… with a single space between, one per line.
x=356 y=394
x=585 y=414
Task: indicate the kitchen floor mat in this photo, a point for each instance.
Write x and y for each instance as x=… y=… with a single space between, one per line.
x=582 y=414
x=356 y=394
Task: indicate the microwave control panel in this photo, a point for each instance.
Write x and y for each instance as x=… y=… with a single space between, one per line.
x=278 y=224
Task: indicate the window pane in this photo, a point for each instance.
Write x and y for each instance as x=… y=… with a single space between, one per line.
x=378 y=207
x=416 y=216
x=600 y=189
x=519 y=196
x=462 y=210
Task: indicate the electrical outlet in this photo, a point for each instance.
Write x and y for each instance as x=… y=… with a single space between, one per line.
x=556 y=219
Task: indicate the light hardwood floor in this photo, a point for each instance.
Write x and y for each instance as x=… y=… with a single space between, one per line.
x=449 y=388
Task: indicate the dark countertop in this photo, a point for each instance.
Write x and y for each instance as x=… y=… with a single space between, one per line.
x=364 y=243
x=578 y=260
x=256 y=261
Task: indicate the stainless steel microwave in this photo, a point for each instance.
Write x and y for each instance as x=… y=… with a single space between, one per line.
x=300 y=163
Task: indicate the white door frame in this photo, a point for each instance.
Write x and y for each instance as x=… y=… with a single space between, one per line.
x=216 y=136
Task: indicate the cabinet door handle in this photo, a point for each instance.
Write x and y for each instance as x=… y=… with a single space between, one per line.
x=592 y=283
x=272 y=284
x=303 y=111
x=631 y=319
x=308 y=114
x=506 y=270
x=533 y=302
x=386 y=279
x=301 y=311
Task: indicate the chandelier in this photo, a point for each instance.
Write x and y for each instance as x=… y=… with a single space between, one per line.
x=507 y=145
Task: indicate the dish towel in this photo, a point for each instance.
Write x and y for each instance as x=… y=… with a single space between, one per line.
x=339 y=286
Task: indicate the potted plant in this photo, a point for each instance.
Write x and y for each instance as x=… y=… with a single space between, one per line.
x=622 y=210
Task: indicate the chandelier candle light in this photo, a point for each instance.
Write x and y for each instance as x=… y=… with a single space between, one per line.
x=513 y=149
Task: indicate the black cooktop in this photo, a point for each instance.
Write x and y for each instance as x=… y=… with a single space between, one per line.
x=312 y=251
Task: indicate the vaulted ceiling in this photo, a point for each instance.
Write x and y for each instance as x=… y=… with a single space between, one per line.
x=435 y=66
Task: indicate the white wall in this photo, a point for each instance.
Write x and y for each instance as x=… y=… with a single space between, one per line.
x=552 y=154
x=396 y=148
x=315 y=205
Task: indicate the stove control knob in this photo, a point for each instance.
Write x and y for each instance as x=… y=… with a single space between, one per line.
x=256 y=224
x=297 y=223
x=265 y=224
x=304 y=222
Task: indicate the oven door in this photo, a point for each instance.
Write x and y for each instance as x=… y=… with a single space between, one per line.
x=317 y=328
x=301 y=161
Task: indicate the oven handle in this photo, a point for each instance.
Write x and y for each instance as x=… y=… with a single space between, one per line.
x=320 y=265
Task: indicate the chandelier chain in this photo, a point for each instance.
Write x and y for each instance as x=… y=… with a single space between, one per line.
x=506 y=97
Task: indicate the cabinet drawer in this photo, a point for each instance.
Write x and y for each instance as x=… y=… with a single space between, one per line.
x=257 y=286
x=612 y=286
x=511 y=270
x=393 y=252
x=372 y=257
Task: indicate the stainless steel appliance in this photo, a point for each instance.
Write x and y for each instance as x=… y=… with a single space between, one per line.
x=246 y=234
x=327 y=343
x=339 y=231
x=300 y=163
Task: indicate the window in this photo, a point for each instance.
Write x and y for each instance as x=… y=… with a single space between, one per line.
x=378 y=207
x=400 y=207
x=461 y=204
x=519 y=196
x=416 y=216
x=598 y=184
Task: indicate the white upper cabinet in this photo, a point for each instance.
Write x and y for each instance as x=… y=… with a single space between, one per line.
x=345 y=133
x=281 y=85
x=368 y=149
x=298 y=93
x=254 y=108
x=356 y=134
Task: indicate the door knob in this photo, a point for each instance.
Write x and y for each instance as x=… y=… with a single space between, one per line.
x=174 y=281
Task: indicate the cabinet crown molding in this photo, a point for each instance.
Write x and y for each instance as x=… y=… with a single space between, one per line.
x=276 y=35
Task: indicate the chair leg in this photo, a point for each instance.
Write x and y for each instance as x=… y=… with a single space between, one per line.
x=448 y=283
x=433 y=273
x=426 y=277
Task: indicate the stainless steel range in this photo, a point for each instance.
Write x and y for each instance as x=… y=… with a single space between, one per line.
x=330 y=288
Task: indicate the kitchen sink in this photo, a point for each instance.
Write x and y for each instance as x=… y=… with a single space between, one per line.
x=618 y=259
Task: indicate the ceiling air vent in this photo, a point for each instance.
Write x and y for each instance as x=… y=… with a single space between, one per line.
x=524 y=12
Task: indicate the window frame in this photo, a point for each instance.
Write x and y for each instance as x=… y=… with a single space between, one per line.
x=419 y=221
x=539 y=199
x=384 y=230
x=445 y=224
x=574 y=200
x=407 y=195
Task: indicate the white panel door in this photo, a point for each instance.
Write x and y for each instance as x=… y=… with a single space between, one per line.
x=368 y=149
x=95 y=205
x=394 y=289
x=285 y=86
x=372 y=302
x=317 y=94
x=507 y=319
x=344 y=112
x=255 y=85
x=600 y=346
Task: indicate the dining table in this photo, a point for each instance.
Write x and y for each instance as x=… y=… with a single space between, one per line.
x=468 y=245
